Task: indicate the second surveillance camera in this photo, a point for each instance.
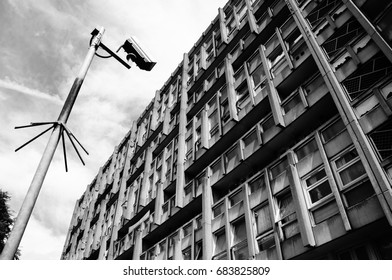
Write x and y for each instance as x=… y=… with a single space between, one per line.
x=138 y=55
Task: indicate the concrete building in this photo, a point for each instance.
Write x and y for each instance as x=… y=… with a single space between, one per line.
x=271 y=140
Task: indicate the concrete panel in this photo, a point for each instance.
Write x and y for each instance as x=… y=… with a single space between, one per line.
x=329 y=229
x=236 y=211
x=365 y=212
x=293 y=247
x=339 y=143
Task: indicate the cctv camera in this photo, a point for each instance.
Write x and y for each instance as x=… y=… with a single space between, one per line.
x=137 y=55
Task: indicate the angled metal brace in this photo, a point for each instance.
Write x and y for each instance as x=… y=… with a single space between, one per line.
x=63 y=129
x=64 y=149
x=74 y=146
x=28 y=142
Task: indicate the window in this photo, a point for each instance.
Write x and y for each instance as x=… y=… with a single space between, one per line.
x=187 y=253
x=332 y=131
x=197 y=138
x=230 y=21
x=239 y=231
x=187 y=229
x=199 y=250
x=266 y=242
x=188 y=192
x=216 y=172
x=210 y=53
x=233 y=157
x=220 y=245
x=213 y=123
x=241 y=11
x=236 y=198
x=199 y=182
x=168 y=168
x=256 y=70
x=349 y=168
x=263 y=220
x=251 y=143
x=224 y=105
x=218 y=209
x=171 y=245
x=278 y=169
x=239 y=248
x=243 y=97
x=317 y=186
x=307 y=149
x=257 y=184
x=274 y=52
x=287 y=215
x=352 y=178
x=358 y=194
x=268 y=123
x=291 y=103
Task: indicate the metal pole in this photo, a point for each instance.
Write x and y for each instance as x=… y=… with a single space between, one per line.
x=32 y=194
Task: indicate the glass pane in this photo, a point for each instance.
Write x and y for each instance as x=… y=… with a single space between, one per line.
x=268 y=123
x=257 y=184
x=359 y=194
x=279 y=169
x=266 y=242
x=241 y=253
x=186 y=254
x=187 y=229
x=213 y=121
x=315 y=178
x=250 y=143
x=320 y=192
x=286 y=208
x=217 y=210
x=291 y=104
x=290 y=230
x=333 y=130
x=220 y=242
x=258 y=75
x=233 y=158
x=199 y=250
x=263 y=219
x=347 y=157
x=236 y=198
x=351 y=173
x=324 y=212
x=216 y=170
x=239 y=231
x=254 y=62
x=307 y=149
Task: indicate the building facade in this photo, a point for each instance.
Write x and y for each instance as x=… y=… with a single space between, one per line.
x=272 y=139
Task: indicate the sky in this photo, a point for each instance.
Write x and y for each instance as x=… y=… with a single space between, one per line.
x=42 y=46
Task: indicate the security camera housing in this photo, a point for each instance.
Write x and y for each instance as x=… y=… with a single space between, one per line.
x=137 y=55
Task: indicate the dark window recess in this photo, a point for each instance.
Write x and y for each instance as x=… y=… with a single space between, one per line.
x=382 y=140
x=321 y=10
x=359 y=194
x=342 y=36
x=367 y=75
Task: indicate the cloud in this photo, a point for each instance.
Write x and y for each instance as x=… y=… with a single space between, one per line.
x=18 y=88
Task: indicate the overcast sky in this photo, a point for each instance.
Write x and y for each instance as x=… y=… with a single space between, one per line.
x=42 y=45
